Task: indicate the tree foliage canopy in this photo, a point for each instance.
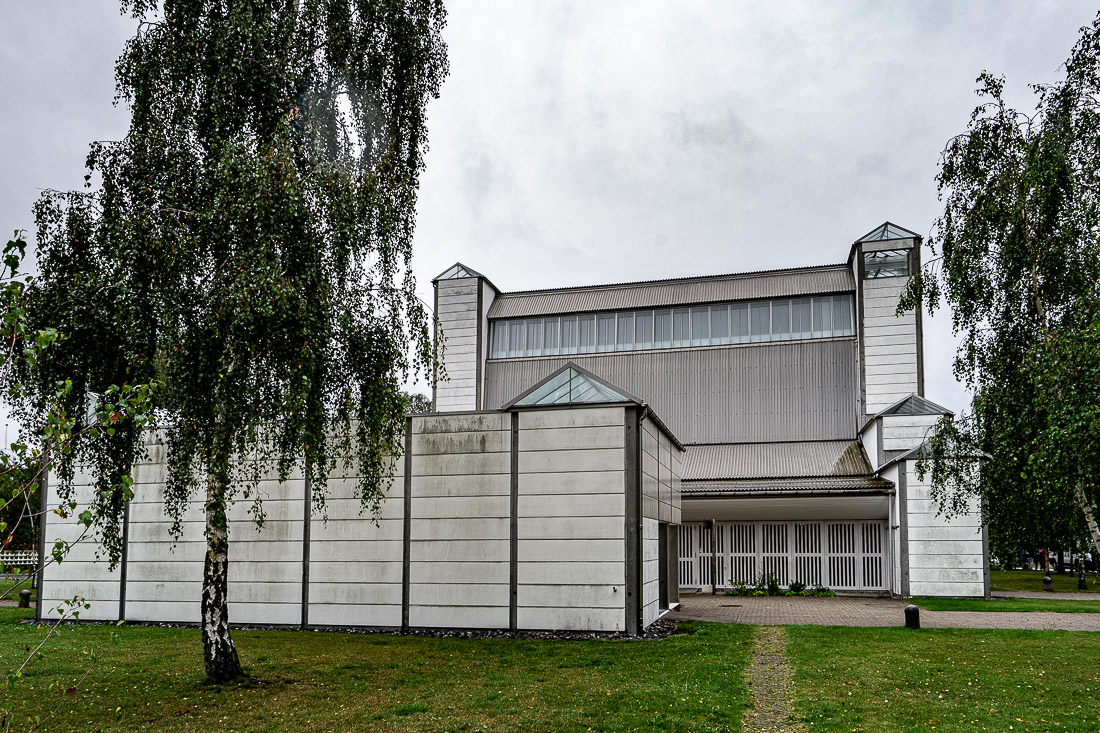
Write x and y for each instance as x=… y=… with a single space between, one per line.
x=1016 y=256
x=250 y=244
x=249 y=251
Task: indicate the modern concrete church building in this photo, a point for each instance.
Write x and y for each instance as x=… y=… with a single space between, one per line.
x=798 y=396
x=591 y=451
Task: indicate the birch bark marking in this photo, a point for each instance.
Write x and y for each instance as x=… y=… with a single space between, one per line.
x=1090 y=519
x=218 y=651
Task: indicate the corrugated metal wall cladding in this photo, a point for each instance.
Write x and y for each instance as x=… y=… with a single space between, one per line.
x=749 y=394
x=775 y=460
x=656 y=294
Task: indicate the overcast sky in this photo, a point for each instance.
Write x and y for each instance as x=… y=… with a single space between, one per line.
x=592 y=142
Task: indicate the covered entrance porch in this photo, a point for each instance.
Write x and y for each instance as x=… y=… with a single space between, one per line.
x=843 y=541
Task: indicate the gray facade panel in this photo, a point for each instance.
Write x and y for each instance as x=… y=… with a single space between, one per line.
x=830 y=279
x=748 y=394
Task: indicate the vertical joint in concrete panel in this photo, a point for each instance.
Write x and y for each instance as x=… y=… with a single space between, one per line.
x=673 y=563
x=513 y=531
x=406 y=552
x=307 y=510
x=633 y=486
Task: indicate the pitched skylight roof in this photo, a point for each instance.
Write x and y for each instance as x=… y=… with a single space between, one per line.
x=887 y=231
x=456 y=271
x=570 y=385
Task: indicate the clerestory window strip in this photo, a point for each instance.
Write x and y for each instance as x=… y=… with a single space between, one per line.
x=777 y=319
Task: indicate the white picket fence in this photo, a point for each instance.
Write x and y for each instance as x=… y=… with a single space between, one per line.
x=837 y=555
x=27 y=559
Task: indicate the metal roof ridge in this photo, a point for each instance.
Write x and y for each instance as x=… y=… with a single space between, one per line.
x=473 y=274
x=890 y=410
x=676 y=280
x=885 y=226
x=772 y=442
x=866 y=478
x=873 y=476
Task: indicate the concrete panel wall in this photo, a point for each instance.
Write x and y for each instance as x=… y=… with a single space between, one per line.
x=660 y=487
x=905 y=432
x=564 y=476
x=265 y=569
x=79 y=574
x=571 y=570
x=871 y=446
x=650 y=572
x=459 y=521
x=355 y=566
x=946 y=558
x=889 y=345
x=457 y=311
x=488 y=295
x=163 y=575
x=661 y=464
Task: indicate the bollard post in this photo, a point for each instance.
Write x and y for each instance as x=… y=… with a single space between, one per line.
x=912 y=617
x=1048 y=584
x=24 y=598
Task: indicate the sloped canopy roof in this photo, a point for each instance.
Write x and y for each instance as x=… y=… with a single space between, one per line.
x=914 y=405
x=780 y=486
x=571 y=385
x=456 y=271
x=756 y=461
x=888 y=230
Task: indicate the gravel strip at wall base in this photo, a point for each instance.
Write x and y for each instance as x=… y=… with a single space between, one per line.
x=655 y=631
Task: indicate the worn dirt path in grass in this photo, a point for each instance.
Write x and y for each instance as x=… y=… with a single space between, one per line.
x=769 y=681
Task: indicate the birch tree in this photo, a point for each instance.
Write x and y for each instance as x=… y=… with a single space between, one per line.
x=1016 y=257
x=247 y=246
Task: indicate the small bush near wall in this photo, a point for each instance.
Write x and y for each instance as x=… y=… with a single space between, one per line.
x=768 y=585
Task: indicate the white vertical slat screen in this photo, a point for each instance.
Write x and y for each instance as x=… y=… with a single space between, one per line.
x=807 y=553
x=776 y=558
x=848 y=556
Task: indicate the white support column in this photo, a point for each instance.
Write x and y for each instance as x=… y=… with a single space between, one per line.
x=890 y=346
x=462 y=300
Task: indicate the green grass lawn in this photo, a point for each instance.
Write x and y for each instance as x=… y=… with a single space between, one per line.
x=328 y=681
x=845 y=679
x=1007 y=604
x=1032 y=580
x=945 y=680
x=10 y=587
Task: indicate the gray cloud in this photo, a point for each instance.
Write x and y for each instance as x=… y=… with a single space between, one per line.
x=580 y=142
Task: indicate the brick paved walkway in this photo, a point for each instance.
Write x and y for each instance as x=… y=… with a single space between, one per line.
x=849 y=611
